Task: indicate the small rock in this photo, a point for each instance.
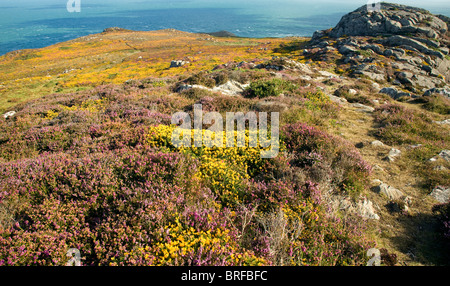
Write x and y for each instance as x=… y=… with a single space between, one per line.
x=415 y=146
x=366 y=210
x=390 y=192
x=363 y=108
x=443 y=122
x=9 y=114
x=445 y=154
x=440 y=168
x=377 y=143
x=178 y=63
x=441 y=194
x=391 y=91
x=336 y=99
x=345 y=49
x=393 y=154
x=401 y=205
x=359 y=145
x=352 y=91
x=443 y=91
x=378 y=168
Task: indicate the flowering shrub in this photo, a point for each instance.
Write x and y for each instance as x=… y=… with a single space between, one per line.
x=327 y=158
x=222 y=168
x=96 y=170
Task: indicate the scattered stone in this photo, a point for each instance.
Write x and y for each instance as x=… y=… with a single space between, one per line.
x=231 y=87
x=9 y=114
x=178 y=63
x=366 y=210
x=400 y=205
x=359 y=145
x=352 y=91
x=377 y=143
x=391 y=91
x=440 y=168
x=363 y=108
x=445 y=154
x=328 y=74
x=390 y=192
x=443 y=91
x=393 y=154
x=378 y=168
x=336 y=99
x=443 y=122
x=347 y=49
x=415 y=146
x=441 y=194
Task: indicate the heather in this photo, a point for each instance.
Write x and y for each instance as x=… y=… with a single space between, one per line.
x=401 y=125
x=95 y=170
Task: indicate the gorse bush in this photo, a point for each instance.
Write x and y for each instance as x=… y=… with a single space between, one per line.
x=267 y=88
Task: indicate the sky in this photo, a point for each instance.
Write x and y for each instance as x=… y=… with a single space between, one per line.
x=417 y=3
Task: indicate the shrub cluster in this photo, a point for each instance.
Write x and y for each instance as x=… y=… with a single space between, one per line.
x=96 y=170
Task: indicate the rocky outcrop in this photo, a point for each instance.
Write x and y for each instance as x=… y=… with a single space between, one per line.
x=401 y=45
x=393 y=19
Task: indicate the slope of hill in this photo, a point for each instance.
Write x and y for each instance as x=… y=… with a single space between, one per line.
x=87 y=161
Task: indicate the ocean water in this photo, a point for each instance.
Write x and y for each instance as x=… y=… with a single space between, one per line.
x=28 y=24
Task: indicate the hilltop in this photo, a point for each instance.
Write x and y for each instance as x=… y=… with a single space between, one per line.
x=86 y=159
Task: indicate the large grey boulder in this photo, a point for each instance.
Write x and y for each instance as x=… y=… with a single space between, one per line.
x=392 y=19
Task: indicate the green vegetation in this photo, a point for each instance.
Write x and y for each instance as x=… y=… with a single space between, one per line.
x=268 y=88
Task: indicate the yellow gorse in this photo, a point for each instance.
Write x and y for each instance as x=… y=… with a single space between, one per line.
x=222 y=168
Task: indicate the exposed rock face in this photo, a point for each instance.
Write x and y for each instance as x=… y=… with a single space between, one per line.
x=404 y=46
x=393 y=19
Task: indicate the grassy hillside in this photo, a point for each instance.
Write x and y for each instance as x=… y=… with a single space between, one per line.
x=87 y=162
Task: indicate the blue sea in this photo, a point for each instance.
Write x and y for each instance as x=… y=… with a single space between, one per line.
x=28 y=24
